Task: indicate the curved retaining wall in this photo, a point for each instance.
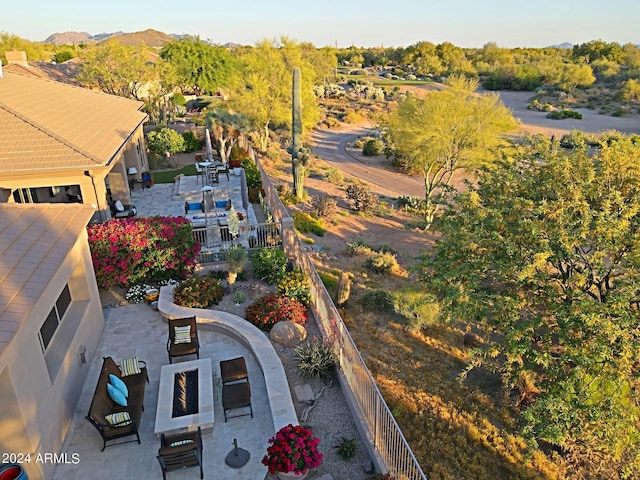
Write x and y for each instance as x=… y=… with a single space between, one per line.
x=254 y=339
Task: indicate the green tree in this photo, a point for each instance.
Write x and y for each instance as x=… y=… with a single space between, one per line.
x=117 y=69
x=446 y=131
x=225 y=126
x=544 y=254
x=165 y=141
x=574 y=76
x=200 y=67
x=35 y=51
x=262 y=88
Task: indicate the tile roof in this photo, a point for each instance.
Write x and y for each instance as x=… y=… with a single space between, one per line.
x=34 y=241
x=47 y=124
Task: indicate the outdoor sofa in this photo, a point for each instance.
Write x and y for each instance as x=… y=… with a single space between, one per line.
x=103 y=405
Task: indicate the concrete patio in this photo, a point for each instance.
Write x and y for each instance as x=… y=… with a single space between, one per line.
x=140 y=331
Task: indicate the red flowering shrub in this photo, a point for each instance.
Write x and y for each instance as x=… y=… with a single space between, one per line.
x=268 y=310
x=141 y=249
x=293 y=449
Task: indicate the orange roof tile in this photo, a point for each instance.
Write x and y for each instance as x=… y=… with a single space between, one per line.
x=50 y=124
x=34 y=241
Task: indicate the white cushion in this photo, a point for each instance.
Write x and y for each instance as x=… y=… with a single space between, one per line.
x=119 y=206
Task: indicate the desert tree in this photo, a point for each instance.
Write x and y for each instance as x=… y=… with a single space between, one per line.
x=225 y=127
x=445 y=131
x=543 y=255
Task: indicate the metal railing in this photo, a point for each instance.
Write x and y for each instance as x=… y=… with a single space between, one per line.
x=383 y=431
x=389 y=445
x=215 y=241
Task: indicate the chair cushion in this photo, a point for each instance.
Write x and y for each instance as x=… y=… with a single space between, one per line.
x=182 y=334
x=119 y=206
x=116 y=395
x=121 y=419
x=180 y=442
x=130 y=366
x=119 y=384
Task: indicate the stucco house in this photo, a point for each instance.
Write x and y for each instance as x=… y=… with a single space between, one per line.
x=60 y=143
x=51 y=321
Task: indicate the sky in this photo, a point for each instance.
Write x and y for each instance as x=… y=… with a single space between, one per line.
x=341 y=23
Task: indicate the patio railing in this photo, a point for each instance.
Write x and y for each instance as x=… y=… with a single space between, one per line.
x=215 y=240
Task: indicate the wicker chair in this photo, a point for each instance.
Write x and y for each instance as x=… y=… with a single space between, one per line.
x=186 y=341
x=183 y=450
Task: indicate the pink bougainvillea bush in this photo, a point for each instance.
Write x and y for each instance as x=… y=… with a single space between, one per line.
x=293 y=449
x=140 y=249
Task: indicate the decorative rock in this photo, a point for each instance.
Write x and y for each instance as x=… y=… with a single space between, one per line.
x=288 y=333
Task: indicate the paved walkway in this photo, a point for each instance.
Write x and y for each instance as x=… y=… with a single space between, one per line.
x=138 y=330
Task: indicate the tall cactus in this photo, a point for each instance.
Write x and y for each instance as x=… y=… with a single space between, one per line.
x=344 y=289
x=299 y=154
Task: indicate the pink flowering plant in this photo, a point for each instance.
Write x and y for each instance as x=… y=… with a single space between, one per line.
x=141 y=249
x=293 y=449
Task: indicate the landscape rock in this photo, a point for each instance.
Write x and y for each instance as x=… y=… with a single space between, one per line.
x=288 y=333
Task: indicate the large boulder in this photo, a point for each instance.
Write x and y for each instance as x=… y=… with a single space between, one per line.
x=288 y=333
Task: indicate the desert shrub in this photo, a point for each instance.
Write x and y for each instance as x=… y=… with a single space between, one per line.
x=329 y=280
x=237 y=153
x=305 y=223
x=619 y=112
x=237 y=258
x=377 y=301
x=295 y=284
x=132 y=250
x=382 y=263
x=334 y=176
x=164 y=140
x=360 y=142
x=373 y=148
x=251 y=172
x=332 y=122
x=574 y=139
x=419 y=309
x=266 y=311
x=358 y=247
x=411 y=203
x=191 y=142
x=325 y=206
x=385 y=248
x=198 y=292
x=316 y=358
x=565 y=113
x=178 y=99
x=361 y=199
x=352 y=117
x=269 y=264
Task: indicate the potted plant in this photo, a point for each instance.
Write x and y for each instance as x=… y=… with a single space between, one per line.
x=236 y=166
x=292 y=452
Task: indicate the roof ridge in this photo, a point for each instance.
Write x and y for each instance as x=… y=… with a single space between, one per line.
x=51 y=134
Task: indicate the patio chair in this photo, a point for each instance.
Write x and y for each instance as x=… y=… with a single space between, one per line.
x=233 y=370
x=223 y=168
x=199 y=171
x=183 y=338
x=235 y=396
x=183 y=450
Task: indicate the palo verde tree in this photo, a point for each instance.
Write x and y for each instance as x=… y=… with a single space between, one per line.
x=445 y=131
x=544 y=255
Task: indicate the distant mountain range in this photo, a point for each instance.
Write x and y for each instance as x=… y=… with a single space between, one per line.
x=150 y=37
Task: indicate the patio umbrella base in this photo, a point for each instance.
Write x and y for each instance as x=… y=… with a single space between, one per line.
x=238 y=457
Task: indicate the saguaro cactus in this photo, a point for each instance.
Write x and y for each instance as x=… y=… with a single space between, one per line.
x=299 y=154
x=344 y=289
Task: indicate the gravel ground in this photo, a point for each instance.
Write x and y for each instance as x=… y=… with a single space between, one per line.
x=329 y=418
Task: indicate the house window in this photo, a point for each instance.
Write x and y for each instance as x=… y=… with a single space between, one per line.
x=25 y=195
x=54 y=318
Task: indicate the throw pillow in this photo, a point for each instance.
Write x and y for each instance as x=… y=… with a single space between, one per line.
x=182 y=334
x=116 y=395
x=119 y=206
x=130 y=366
x=119 y=384
x=121 y=419
x=180 y=442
